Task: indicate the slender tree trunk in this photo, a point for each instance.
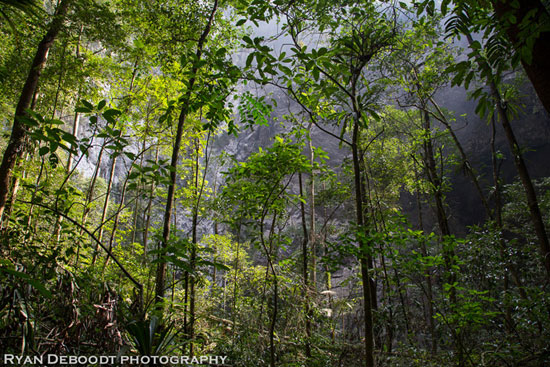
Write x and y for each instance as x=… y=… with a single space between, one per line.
x=305 y=271
x=523 y=172
x=372 y=198
x=116 y=219
x=364 y=248
x=499 y=224
x=76 y=120
x=18 y=135
x=448 y=253
x=427 y=273
x=532 y=201
x=35 y=192
x=198 y=191
x=161 y=269
x=312 y=235
x=91 y=188
x=273 y=318
x=330 y=302
x=465 y=161
x=105 y=206
x=76 y=126
x=365 y=200
x=194 y=240
x=386 y=290
x=89 y=197
x=16 y=183
x=147 y=213
x=216 y=233
x=76 y=123
x=271 y=267
x=435 y=180
x=236 y=265
x=433 y=176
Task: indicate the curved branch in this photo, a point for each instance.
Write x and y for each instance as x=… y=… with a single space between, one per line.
x=109 y=253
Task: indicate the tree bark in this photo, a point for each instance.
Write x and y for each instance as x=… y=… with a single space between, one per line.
x=435 y=181
x=465 y=161
x=499 y=224
x=147 y=214
x=532 y=201
x=18 y=136
x=312 y=236
x=307 y=346
x=91 y=188
x=364 y=249
x=161 y=269
x=16 y=183
x=427 y=274
x=117 y=217
x=105 y=206
x=538 y=68
x=523 y=172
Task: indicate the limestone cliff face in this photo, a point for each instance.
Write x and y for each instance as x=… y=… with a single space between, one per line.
x=532 y=128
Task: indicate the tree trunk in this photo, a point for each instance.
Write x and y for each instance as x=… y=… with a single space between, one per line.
x=370 y=259
x=161 y=269
x=532 y=201
x=18 y=136
x=16 y=183
x=312 y=239
x=117 y=216
x=76 y=125
x=538 y=67
x=465 y=161
x=523 y=172
x=91 y=188
x=193 y=257
x=427 y=273
x=105 y=206
x=435 y=180
x=305 y=271
x=499 y=224
x=364 y=249
x=147 y=219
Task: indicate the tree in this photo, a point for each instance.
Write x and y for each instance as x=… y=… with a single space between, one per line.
x=258 y=193
x=525 y=25
x=338 y=77
x=212 y=97
x=16 y=144
x=489 y=63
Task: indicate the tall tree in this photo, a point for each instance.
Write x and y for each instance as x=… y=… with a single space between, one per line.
x=16 y=145
x=524 y=25
x=337 y=77
x=186 y=101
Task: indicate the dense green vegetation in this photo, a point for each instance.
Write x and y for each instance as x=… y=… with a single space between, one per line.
x=139 y=216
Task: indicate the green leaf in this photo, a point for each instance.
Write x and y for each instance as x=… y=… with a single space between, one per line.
x=83 y=110
x=110 y=115
x=43 y=151
x=26 y=277
x=87 y=104
x=249 y=60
